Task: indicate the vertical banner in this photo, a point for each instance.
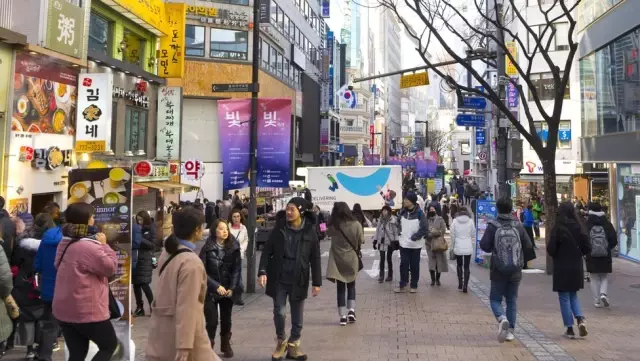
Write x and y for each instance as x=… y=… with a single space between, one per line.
x=512 y=93
x=484 y=212
x=108 y=190
x=510 y=68
x=171 y=51
x=93 y=130
x=326 y=8
x=169 y=120
x=274 y=142
x=324 y=131
x=330 y=44
x=265 y=12
x=233 y=128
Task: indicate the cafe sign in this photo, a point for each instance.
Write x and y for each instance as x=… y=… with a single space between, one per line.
x=65 y=28
x=215 y=16
x=149 y=171
x=50 y=158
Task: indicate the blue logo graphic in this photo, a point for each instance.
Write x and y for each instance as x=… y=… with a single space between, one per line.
x=365 y=186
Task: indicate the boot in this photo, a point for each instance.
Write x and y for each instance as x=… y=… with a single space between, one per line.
x=139 y=312
x=433 y=277
x=389 y=276
x=459 y=272
x=281 y=348
x=381 y=277
x=467 y=274
x=438 y=278
x=225 y=346
x=294 y=352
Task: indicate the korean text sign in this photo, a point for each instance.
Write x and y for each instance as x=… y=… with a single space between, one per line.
x=93 y=133
x=485 y=211
x=66 y=28
x=233 y=127
x=169 y=115
x=274 y=142
x=171 y=53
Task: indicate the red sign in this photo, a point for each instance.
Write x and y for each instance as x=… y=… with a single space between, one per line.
x=28 y=65
x=372 y=129
x=143 y=168
x=173 y=168
x=193 y=169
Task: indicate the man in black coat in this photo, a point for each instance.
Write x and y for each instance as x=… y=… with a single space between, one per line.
x=291 y=254
x=210 y=216
x=8 y=229
x=600 y=267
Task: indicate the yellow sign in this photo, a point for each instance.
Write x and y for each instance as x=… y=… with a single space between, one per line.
x=150 y=11
x=202 y=11
x=510 y=68
x=90 y=146
x=171 y=52
x=411 y=80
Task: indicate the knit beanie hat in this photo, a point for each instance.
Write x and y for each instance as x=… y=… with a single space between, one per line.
x=413 y=198
x=300 y=203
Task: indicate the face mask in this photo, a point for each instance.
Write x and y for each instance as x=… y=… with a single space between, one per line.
x=431 y=214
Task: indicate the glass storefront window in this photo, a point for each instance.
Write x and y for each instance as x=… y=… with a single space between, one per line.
x=543 y=131
x=543 y=82
x=590 y=10
x=99 y=32
x=229 y=44
x=588 y=95
x=194 y=40
x=628 y=184
x=134 y=51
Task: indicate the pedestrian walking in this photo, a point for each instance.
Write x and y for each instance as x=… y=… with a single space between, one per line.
x=386 y=241
x=290 y=257
x=239 y=232
x=528 y=222
x=463 y=234
x=412 y=229
x=347 y=236
x=507 y=241
x=436 y=246
x=142 y=273
x=538 y=210
x=6 y=302
x=454 y=208
x=603 y=239
x=445 y=212
x=223 y=264
x=80 y=302
x=177 y=328
x=568 y=243
x=358 y=214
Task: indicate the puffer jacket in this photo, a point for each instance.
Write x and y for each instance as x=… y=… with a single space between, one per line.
x=463 y=234
x=44 y=262
x=6 y=285
x=143 y=271
x=223 y=265
x=386 y=232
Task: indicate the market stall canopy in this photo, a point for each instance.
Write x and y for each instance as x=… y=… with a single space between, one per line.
x=170 y=187
x=139 y=190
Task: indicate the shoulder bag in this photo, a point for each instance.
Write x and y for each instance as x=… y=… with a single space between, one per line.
x=356 y=250
x=439 y=244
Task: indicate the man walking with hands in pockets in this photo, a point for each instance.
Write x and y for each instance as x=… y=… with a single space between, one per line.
x=290 y=255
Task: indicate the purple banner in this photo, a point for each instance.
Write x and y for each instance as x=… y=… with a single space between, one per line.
x=512 y=94
x=371 y=159
x=233 y=126
x=274 y=142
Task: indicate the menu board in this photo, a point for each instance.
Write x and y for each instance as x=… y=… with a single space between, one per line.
x=108 y=190
x=485 y=211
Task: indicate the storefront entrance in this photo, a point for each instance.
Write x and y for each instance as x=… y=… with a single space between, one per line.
x=39 y=201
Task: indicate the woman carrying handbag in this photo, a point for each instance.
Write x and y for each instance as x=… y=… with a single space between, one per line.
x=436 y=246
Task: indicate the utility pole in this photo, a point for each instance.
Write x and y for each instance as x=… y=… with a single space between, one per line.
x=503 y=127
x=250 y=280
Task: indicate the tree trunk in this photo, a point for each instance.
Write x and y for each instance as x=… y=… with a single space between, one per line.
x=550 y=202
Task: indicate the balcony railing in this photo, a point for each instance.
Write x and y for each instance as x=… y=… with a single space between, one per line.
x=357 y=107
x=345 y=129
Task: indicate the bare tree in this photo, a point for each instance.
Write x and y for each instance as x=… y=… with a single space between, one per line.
x=440 y=17
x=438 y=141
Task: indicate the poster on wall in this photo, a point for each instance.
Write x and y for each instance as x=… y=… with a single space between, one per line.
x=274 y=142
x=169 y=120
x=485 y=211
x=95 y=96
x=233 y=128
x=44 y=96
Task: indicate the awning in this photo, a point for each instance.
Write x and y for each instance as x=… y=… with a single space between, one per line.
x=139 y=190
x=170 y=187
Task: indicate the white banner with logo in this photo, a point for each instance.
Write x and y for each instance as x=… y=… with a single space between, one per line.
x=169 y=115
x=93 y=131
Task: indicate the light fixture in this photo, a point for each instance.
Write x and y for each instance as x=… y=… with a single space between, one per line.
x=122 y=47
x=74 y=65
x=109 y=153
x=127 y=72
x=84 y=157
x=113 y=67
x=128 y=153
x=33 y=53
x=140 y=153
x=97 y=61
x=151 y=62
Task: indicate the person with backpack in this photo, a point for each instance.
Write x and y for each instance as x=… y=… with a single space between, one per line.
x=603 y=239
x=509 y=245
x=568 y=243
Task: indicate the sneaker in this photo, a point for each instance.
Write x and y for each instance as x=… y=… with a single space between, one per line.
x=56 y=346
x=343 y=321
x=281 y=348
x=351 y=316
x=598 y=304
x=400 y=289
x=569 y=333
x=510 y=336
x=139 y=312
x=31 y=355
x=503 y=329
x=605 y=300
x=582 y=327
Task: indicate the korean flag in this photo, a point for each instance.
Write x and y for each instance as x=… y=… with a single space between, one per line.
x=347 y=97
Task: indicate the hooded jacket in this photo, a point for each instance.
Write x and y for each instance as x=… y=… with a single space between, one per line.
x=25 y=291
x=601 y=264
x=412 y=228
x=463 y=234
x=528 y=218
x=44 y=262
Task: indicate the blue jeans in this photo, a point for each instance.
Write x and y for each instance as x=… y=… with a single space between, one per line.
x=508 y=289
x=569 y=307
x=409 y=261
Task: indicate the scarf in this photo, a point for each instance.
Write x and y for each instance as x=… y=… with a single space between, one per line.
x=78 y=230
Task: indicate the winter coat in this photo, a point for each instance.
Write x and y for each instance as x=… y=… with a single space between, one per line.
x=223 y=266
x=386 y=232
x=6 y=285
x=25 y=292
x=136 y=240
x=601 y=264
x=44 y=263
x=8 y=229
x=308 y=264
x=527 y=219
x=435 y=204
x=412 y=228
x=82 y=279
x=210 y=215
x=437 y=230
x=242 y=236
x=567 y=244
x=487 y=243
x=454 y=210
x=463 y=235
x=142 y=274
x=177 y=320
x=537 y=211
x=343 y=260
x=445 y=213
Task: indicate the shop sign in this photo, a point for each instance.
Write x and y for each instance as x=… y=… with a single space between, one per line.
x=136 y=96
x=150 y=11
x=169 y=114
x=193 y=169
x=65 y=28
x=51 y=158
x=143 y=168
x=151 y=171
x=564 y=167
x=214 y=16
x=265 y=11
x=94 y=112
x=510 y=67
x=171 y=53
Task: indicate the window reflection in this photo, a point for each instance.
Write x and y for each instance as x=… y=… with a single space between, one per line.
x=98 y=34
x=229 y=44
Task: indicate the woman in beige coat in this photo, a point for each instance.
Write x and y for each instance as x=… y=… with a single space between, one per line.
x=347 y=236
x=437 y=259
x=177 y=331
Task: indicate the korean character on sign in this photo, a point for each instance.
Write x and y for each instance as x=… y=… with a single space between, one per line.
x=91 y=130
x=39 y=158
x=191 y=9
x=270 y=119
x=212 y=12
x=174 y=36
x=93 y=95
x=233 y=119
x=202 y=10
x=192 y=168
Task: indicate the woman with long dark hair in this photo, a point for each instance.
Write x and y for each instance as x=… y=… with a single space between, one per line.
x=358 y=214
x=347 y=236
x=142 y=274
x=568 y=244
x=239 y=231
x=223 y=264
